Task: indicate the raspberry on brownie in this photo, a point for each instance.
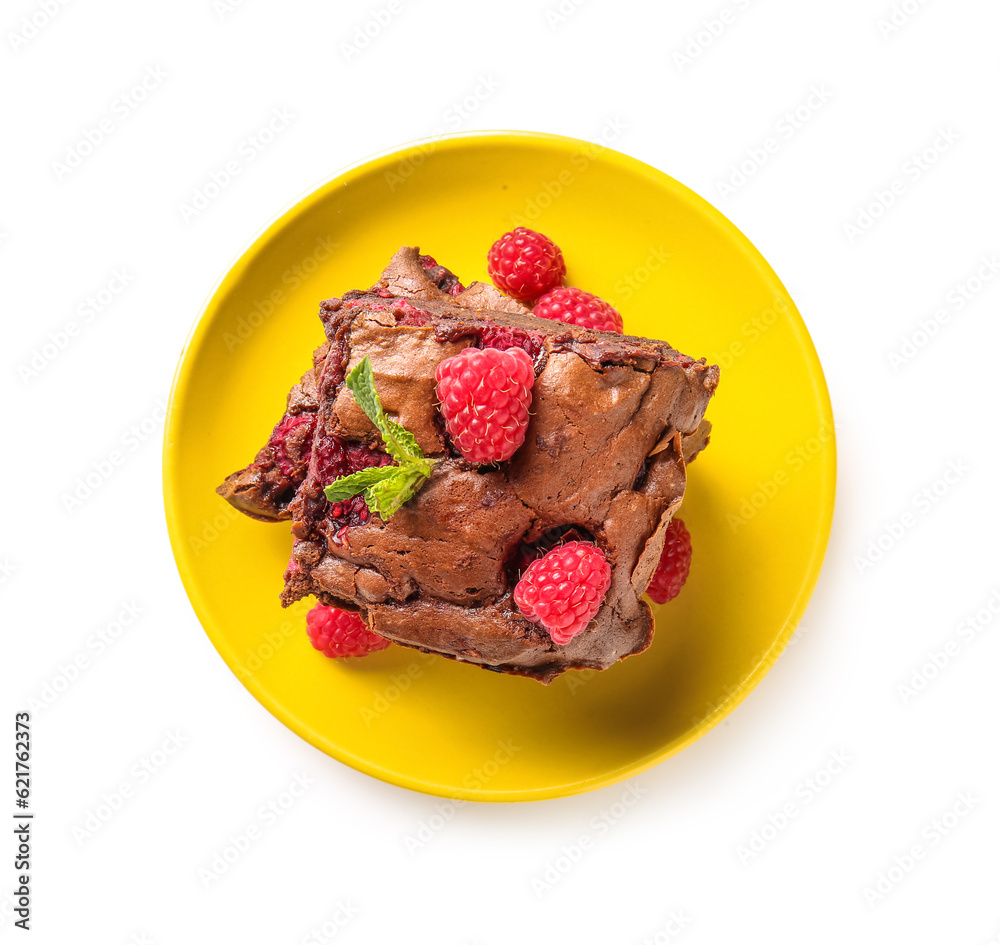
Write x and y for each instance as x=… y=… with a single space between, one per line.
x=563 y=589
x=485 y=394
x=613 y=419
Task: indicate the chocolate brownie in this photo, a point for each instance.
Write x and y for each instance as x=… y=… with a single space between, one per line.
x=603 y=461
x=614 y=420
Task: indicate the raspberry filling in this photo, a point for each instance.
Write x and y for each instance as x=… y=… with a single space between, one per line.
x=443 y=278
x=405 y=312
x=501 y=337
x=291 y=442
x=336 y=457
x=409 y=315
x=486 y=335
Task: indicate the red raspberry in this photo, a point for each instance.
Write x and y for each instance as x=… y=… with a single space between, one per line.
x=525 y=264
x=578 y=308
x=563 y=589
x=336 y=632
x=675 y=563
x=485 y=394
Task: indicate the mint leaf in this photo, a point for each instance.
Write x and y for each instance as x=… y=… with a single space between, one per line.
x=385 y=488
x=400 y=444
x=403 y=446
x=361 y=381
x=388 y=496
x=347 y=486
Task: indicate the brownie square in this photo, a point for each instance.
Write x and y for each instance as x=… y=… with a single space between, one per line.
x=612 y=418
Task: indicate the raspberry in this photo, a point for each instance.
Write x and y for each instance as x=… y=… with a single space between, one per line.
x=525 y=264
x=336 y=632
x=563 y=589
x=578 y=308
x=485 y=394
x=675 y=563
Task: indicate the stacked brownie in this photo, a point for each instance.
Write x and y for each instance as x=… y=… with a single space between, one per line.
x=614 y=419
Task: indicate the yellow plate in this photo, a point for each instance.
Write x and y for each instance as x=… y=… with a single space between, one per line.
x=759 y=500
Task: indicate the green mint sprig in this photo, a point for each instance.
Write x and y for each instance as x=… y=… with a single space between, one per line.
x=385 y=488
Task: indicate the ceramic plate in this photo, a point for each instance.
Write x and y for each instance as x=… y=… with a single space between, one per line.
x=759 y=500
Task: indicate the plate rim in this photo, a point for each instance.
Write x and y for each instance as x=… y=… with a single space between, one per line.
x=256 y=244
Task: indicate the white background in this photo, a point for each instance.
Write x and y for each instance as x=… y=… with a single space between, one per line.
x=339 y=855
